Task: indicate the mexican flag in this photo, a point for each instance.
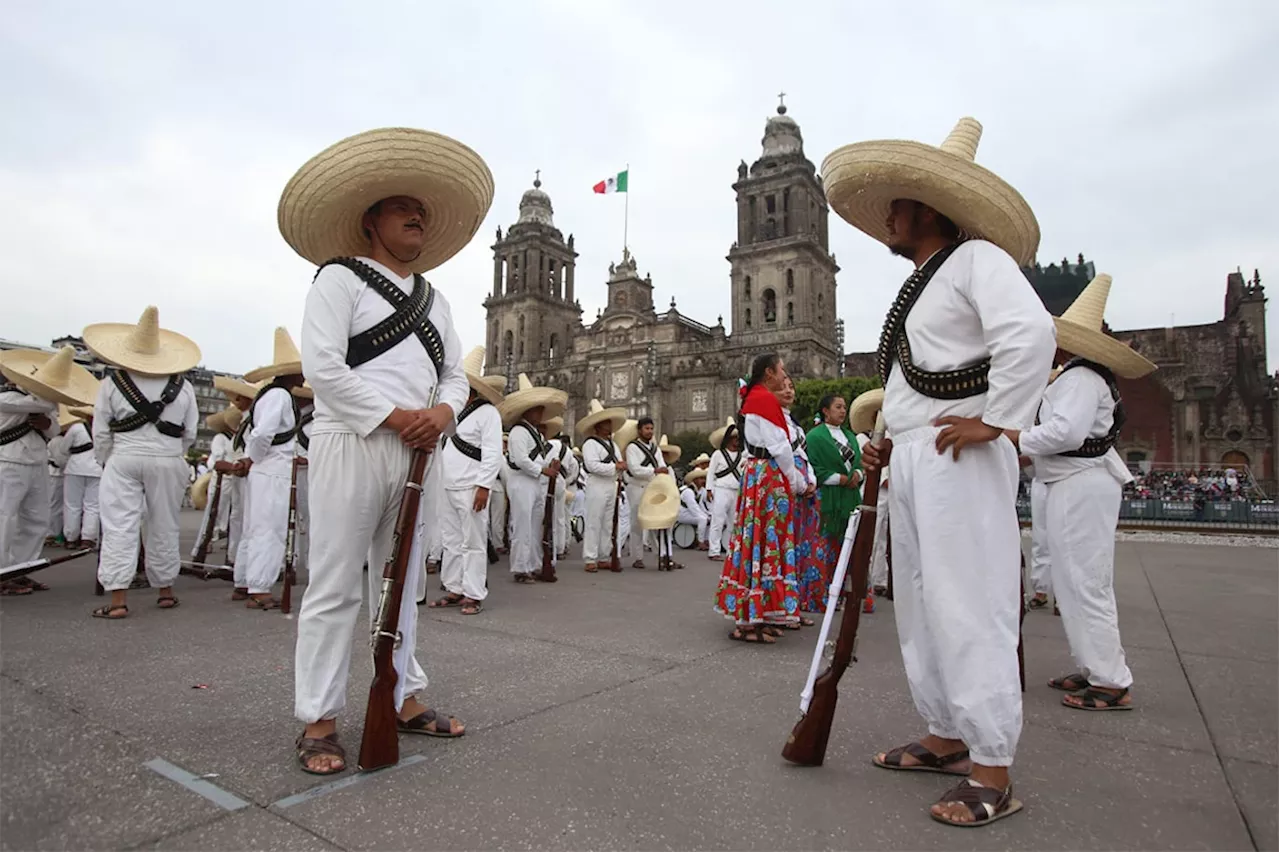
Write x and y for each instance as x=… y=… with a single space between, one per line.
x=616 y=183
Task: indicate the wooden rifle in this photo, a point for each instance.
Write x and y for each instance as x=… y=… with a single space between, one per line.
x=807 y=745
x=548 y=572
x=615 y=564
x=286 y=597
x=206 y=535
x=380 y=744
x=22 y=569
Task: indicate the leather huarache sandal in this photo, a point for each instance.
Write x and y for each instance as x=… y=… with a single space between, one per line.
x=1071 y=683
x=106 y=612
x=985 y=804
x=470 y=607
x=255 y=603
x=590 y=568
x=12 y=589
x=1097 y=700
x=523 y=578
x=167 y=602
x=309 y=747
x=431 y=724
x=1037 y=602
x=752 y=636
x=929 y=762
x=446 y=601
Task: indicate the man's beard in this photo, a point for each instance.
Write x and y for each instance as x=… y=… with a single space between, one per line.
x=900 y=250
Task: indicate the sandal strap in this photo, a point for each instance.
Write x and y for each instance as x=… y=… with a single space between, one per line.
x=1108 y=699
x=312 y=746
x=926 y=757
x=983 y=802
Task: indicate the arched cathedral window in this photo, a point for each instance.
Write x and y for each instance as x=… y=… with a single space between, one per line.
x=770 y=306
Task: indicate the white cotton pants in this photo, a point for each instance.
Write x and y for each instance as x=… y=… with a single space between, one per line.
x=497 y=518
x=24 y=511
x=359 y=485
x=635 y=542
x=302 y=523
x=80 y=507
x=135 y=489
x=434 y=506
x=597 y=534
x=880 y=547
x=956 y=568
x=724 y=509
x=55 y=504
x=1081 y=512
x=527 y=503
x=1041 y=581
x=466 y=558
x=559 y=519
x=261 y=553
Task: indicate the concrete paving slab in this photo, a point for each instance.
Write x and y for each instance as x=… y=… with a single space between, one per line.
x=253 y=828
x=1240 y=705
x=1254 y=786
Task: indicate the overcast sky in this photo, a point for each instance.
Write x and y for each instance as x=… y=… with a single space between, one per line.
x=146 y=144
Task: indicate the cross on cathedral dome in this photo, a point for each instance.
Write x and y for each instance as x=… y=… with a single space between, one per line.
x=782 y=134
x=535 y=205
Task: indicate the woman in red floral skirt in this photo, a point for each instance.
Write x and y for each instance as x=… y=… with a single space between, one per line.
x=757 y=585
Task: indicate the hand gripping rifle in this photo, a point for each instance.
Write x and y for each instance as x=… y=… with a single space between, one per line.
x=380 y=745
x=807 y=745
x=290 y=576
x=548 y=573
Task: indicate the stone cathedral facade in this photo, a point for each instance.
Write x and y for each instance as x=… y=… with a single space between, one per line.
x=677 y=370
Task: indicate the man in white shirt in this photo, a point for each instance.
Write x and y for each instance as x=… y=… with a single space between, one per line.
x=231 y=506
x=498 y=507
x=81 y=475
x=964 y=355
x=724 y=477
x=144 y=421
x=691 y=511
x=267 y=466
x=1072 y=446
x=58 y=455
x=470 y=459
x=643 y=463
x=224 y=425
x=380 y=350
x=603 y=464
x=560 y=450
x=531 y=467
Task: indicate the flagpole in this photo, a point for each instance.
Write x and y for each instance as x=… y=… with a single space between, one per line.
x=626 y=209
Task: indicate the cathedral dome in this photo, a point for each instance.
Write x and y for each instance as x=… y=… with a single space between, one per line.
x=782 y=135
x=535 y=205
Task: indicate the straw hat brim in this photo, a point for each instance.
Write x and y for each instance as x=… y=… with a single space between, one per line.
x=1103 y=349
x=861 y=181
x=670 y=452
x=484 y=389
x=235 y=387
x=17 y=365
x=200 y=490
x=216 y=422
x=177 y=353
x=626 y=433
x=304 y=391
x=717 y=437
x=862 y=413
x=586 y=426
x=321 y=208
x=513 y=407
x=67 y=416
x=694 y=475
x=81 y=412
x=271 y=371
x=659 y=504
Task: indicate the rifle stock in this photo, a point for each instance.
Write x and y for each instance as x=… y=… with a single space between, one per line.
x=380 y=744
x=206 y=535
x=548 y=574
x=286 y=597
x=615 y=564
x=807 y=744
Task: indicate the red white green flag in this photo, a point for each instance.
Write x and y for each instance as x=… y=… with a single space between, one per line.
x=616 y=183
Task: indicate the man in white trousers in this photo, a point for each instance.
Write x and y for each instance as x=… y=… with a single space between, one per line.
x=224 y=425
x=144 y=421
x=1039 y=570
x=306 y=417
x=269 y=441
x=1072 y=446
x=498 y=507
x=602 y=463
x=559 y=448
x=691 y=511
x=964 y=355
x=57 y=448
x=470 y=459
x=724 y=477
x=231 y=518
x=643 y=463
x=380 y=350
x=524 y=411
x=80 y=479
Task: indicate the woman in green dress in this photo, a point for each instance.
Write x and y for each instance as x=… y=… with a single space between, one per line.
x=837 y=464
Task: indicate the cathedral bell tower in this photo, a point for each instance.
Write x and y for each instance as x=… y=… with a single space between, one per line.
x=783 y=275
x=532 y=314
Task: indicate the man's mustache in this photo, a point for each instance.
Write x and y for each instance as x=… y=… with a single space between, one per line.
x=417 y=225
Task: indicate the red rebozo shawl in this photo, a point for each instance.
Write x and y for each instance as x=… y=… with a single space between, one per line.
x=763 y=403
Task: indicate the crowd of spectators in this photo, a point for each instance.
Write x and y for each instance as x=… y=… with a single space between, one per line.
x=1191 y=485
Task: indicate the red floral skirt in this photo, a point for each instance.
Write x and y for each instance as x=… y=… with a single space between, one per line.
x=758 y=581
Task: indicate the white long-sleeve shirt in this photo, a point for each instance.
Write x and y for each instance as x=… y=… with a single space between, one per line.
x=482 y=428
x=638 y=468
x=305 y=406
x=522 y=449
x=15 y=408
x=272 y=415
x=796 y=434
x=595 y=459
x=358 y=399
x=689 y=500
x=220 y=449
x=759 y=432
x=58 y=454
x=146 y=440
x=1078 y=405
x=838 y=434
x=719 y=464
x=568 y=462
x=82 y=463
x=978 y=304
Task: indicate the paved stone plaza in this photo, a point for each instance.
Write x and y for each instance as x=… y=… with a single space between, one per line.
x=610 y=712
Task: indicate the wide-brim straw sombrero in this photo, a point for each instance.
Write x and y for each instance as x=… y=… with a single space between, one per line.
x=232 y=387
x=863 y=179
x=702 y=459
x=659 y=504
x=670 y=452
x=1080 y=333
x=304 y=391
x=226 y=420
x=322 y=206
x=67 y=416
x=51 y=376
x=626 y=433
x=144 y=348
x=527 y=396
x=81 y=412
x=555 y=425
x=200 y=490
x=286 y=360
x=862 y=413
x=485 y=388
x=694 y=475
x=717 y=437
x=597 y=414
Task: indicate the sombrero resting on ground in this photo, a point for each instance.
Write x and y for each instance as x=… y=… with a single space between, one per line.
x=485 y=386
x=597 y=414
x=513 y=407
x=717 y=437
x=144 y=348
x=232 y=386
x=53 y=377
x=1080 y=333
x=659 y=504
x=323 y=205
x=863 y=179
x=286 y=360
x=862 y=413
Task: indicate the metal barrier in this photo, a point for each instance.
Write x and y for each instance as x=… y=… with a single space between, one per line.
x=1244 y=515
